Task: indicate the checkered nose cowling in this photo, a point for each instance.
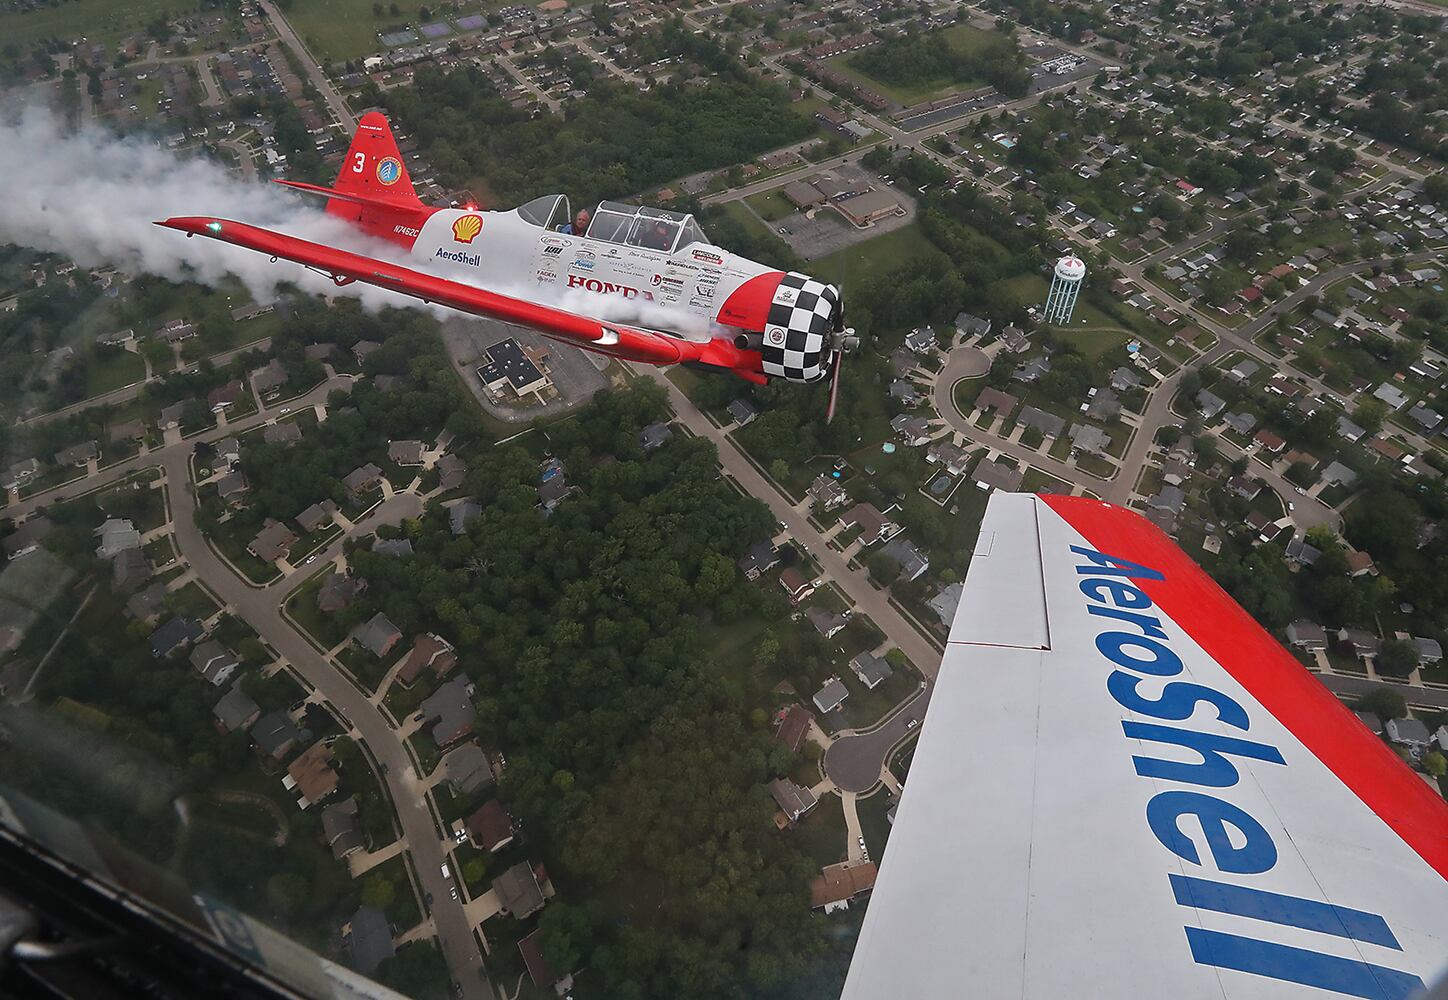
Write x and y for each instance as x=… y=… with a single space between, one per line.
x=798 y=329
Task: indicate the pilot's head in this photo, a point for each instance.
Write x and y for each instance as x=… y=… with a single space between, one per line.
x=580 y=222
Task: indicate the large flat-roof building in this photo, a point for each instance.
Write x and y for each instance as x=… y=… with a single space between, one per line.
x=511 y=366
x=864 y=209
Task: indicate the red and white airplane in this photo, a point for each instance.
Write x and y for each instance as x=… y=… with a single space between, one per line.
x=713 y=308
x=1126 y=788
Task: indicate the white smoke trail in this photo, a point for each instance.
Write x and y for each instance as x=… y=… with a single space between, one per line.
x=92 y=196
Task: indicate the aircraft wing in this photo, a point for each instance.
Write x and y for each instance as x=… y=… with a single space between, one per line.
x=1126 y=788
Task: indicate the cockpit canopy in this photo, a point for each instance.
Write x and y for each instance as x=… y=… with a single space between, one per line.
x=613 y=222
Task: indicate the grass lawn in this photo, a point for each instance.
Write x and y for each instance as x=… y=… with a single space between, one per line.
x=302 y=606
x=961 y=37
x=345 y=29
x=1096 y=341
x=873 y=824
x=746 y=219
x=103 y=21
x=821 y=832
x=771 y=205
x=191 y=602
x=107 y=370
x=882 y=253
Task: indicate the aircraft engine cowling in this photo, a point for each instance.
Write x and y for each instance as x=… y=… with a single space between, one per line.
x=797 y=342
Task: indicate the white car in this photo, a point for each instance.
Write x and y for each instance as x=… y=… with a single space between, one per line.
x=912 y=724
x=453 y=892
x=285 y=409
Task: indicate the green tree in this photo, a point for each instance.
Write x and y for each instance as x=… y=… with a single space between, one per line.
x=1435 y=764
x=1397 y=658
x=1384 y=702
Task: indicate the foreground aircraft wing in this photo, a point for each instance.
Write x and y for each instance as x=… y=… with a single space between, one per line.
x=1126 y=788
x=603 y=337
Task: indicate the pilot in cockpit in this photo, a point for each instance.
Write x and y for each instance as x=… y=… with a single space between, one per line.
x=579 y=225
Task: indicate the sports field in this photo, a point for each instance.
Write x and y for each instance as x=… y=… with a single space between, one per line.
x=876 y=255
x=338 y=30
x=104 y=21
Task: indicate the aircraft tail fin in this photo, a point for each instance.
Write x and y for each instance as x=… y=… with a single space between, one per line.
x=373 y=169
x=373 y=190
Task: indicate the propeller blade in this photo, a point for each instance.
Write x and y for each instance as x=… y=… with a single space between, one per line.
x=834 y=387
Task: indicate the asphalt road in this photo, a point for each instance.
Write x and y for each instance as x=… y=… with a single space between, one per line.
x=259 y=607
x=319 y=79
x=1418 y=697
x=854 y=762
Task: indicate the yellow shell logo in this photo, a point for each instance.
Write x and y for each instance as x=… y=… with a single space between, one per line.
x=467 y=227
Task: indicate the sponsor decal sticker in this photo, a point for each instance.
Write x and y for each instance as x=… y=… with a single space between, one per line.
x=465 y=228
x=389 y=170
x=785 y=296
x=459 y=257
x=707 y=256
x=406 y=231
x=581 y=265
x=548 y=277
x=607 y=287
x=775 y=336
x=704 y=291
x=553 y=251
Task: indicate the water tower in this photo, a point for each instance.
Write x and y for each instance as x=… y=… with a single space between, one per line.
x=1065 y=286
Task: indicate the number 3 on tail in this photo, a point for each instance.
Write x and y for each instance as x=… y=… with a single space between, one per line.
x=359 y=163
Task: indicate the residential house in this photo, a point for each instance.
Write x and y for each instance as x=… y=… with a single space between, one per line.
x=968 y=325
x=1392 y=395
x=466 y=769
x=176 y=634
x=1360 y=641
x=1430 y=651
x=20 y=474
x=362 y=480
x=826 y=494
x=1369 y=719
x=654 y=437
x=272 y=542
x=946 y=602
x=232 y=488
x=214 y=661
x=337 y=591
x=148 y=605
x=874 y=526
x=394 y=548
x=286 y=432
x=79 y=455
x=831 y=695
x=317 y=516
x=760 y=559
x=377 y=635
x=544 y=976
x=827 y=623
x=129 y=570
x=406 y=453
x=363 y=348
x=450 y=471
x=949 y=455
x=368 y=935
x=1090 y=438
x=1300 y=553
x=1104 y=405
x=1270 y=442
x=912 y=562
x=1210 y=404
x=461 y=513
x=742 y=412
x=996 y=475
x=912 y=431
x=116 y=535
x=922 y=340
x=235 y=711
x=223 y=397
x=839 y=883
x=1360 y=563
x=170 y=417
x=268 y=380
x=429 y=652
x=793 y=800
x=991 y=398
x=1337 y=473
x=1410 y=733
x=519 y=894
x=796 y=587
x=311 y=775
x=451 y=712
x=792 y=726
x=274 y=735
x=490 y=828
x=906 y=393
x=130 y=430
x=1049 y=424
x=872 y=670
x=341 y=829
